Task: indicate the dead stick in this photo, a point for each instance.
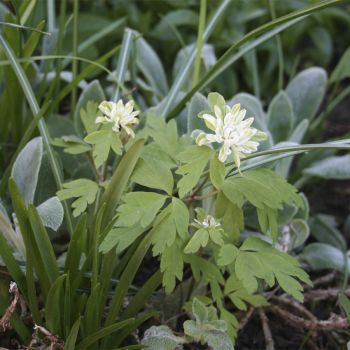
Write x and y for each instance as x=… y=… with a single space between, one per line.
x=5 y=319
x=247 y=317
x=266 y=329
x=335 y=322
x=302 y=309
x=323 y=294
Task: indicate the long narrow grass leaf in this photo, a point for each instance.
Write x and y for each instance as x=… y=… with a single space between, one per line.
x=180 y=79
x=231 y=56
x=44 y=244
x=120 y=179
x=29 y=93
x=73 y=335
x=201 y=25
x=104 y=332
x=123 y=60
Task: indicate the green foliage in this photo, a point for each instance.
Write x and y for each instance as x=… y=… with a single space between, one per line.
x=207 y=329
x=153 y=174
x=83 y=189
x=139 y=207
x=147 y=198
x=257 y=259
x=207 y=229
x=161 y=337
x=238 y=294
x=72 y=144
x=196 y=159
x=103 y=141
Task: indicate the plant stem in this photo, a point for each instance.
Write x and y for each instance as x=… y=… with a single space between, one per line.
x=201 y=25
x=75 y=53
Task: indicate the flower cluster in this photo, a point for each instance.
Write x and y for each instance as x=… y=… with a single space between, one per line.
x=122 y=116
x=231 y=130
x=208 y=223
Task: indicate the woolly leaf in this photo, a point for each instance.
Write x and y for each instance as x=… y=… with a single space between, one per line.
x=161 y=337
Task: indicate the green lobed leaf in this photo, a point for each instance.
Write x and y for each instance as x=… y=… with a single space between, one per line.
x=199 y=239
x=153 y=174
x=103 y=141
x=239 y=296
x=72 y=144
x=171 y=265
x=231 y=216
x=257 y=259
x=195 y=158
x=88 y=116
x=139 y=207
x=92 y=93
x=83 y=189
x=171 y=222
x=164 y=134
x=121 y=238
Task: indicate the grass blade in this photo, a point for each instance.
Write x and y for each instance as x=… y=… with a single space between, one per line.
x=94 y=39
x=120 y=179
x=139 y=300
x=12 y=266
x=44 y=244
x=128 y=330
x=54 y=307
x=102 y=333
x=123 y=60
x=201 y=25
x=128 y=275
x=32 y=250
x=174 y=90
x=29 y=93
x=231 y=56
x=73 y=335
x=75 y=53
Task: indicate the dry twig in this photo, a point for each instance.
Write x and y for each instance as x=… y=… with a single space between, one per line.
x=323 y=294
x=247 y=317
x=5 y=319
x=266 y=329
x=333 y=323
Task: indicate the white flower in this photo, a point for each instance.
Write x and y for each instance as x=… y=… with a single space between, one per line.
x=235 y=133
x=208 y=222
x=122 y=116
